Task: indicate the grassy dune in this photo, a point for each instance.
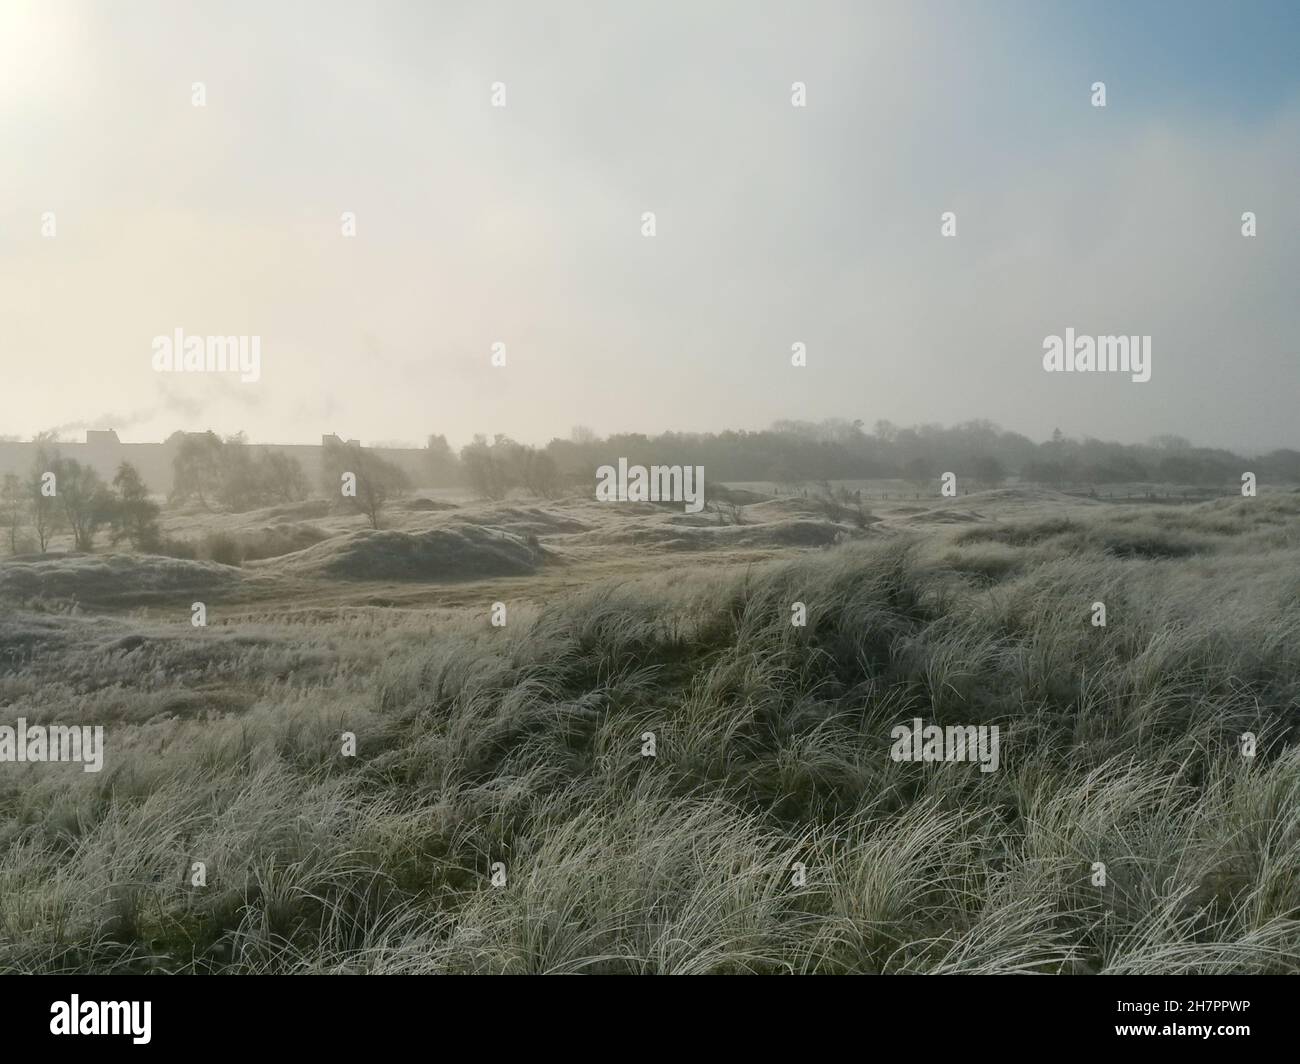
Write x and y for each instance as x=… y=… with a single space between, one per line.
x=522 y=746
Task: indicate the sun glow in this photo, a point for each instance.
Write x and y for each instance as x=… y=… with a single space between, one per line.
x=30 y=33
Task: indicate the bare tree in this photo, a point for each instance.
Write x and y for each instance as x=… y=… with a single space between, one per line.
x=13 y=508
x=376 y=481
x=47 y=515
x=536 y=471
x=197 y=467
x=280 y=478
x=84 y=500
x=440 y=462
x=487 y=468
x=135 y=515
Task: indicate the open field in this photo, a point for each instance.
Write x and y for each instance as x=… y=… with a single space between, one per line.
x=771 y=831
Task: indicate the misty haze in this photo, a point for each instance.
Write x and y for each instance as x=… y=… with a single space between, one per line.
x=644 y=489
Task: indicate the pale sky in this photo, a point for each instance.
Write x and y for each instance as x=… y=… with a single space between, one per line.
x=774 y=224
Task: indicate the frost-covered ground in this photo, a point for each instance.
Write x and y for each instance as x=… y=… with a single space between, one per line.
x=1124 y=830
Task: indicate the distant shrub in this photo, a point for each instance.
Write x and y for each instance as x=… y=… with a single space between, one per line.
x=278 y=540
x=842 y=505
x=221 y=547
x=177 y=548
x=231 y=548
x=1142 y=544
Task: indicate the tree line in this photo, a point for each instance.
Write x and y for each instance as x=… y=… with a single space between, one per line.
x=210 y=469
x=794 y=453
x=61 y=495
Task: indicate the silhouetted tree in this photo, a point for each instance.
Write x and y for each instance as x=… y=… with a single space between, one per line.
x=444 y=469
x=378 y=481
x=135 y=515
x=536 y=471
x=988 y=470
x=197 y=467
x=46 y=513
x=281 y=478
x=487 y=467
x=13 y=508
x=84 y=500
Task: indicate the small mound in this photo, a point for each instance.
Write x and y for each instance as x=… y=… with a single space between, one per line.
x=941 y=516
x=1027 y=494
x=740 y=496
x=697 y=538
x=429 y=506
x=784 y=506
x=523 y=520
x=101 y=578
x=468 y=552
x=298 y=511
x=790 y=534
x=270 y=541
x=26 y=636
